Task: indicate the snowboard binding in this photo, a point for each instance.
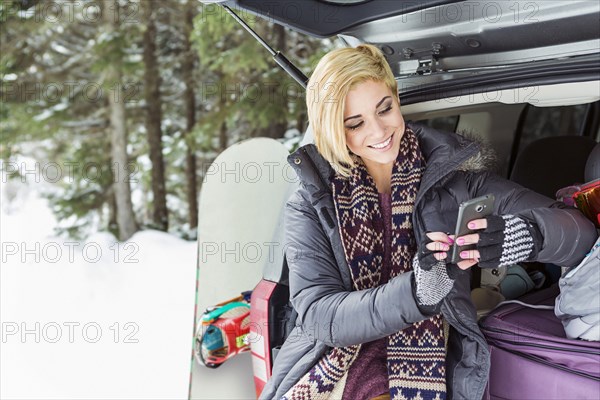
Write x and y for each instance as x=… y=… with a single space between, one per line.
x=223 y=331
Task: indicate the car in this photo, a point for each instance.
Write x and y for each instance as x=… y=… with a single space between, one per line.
x=512 y=73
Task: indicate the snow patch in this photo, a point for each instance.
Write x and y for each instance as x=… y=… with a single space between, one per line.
x=95 y=318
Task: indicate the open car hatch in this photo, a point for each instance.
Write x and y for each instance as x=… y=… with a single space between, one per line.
x=441 y=36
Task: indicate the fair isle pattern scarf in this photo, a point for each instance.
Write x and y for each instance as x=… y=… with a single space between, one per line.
x=415 y=355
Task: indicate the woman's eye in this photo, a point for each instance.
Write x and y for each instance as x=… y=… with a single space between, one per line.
x=386 y=110
x=355 y=127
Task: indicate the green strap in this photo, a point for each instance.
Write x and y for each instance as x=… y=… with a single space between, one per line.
x=211 y=316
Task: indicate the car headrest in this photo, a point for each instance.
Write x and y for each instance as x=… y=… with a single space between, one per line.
x=549 y=164
x=592 y=167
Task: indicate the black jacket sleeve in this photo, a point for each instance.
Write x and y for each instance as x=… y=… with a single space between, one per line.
x=568 y=234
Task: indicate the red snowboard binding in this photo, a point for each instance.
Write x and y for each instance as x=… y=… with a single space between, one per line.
x=223 y=331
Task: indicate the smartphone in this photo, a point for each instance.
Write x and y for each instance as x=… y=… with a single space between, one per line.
x=469 y=210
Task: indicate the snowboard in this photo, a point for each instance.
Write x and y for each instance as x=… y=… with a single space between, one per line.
x=240 y=227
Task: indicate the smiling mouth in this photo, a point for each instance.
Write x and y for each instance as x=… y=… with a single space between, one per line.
x=382 y=145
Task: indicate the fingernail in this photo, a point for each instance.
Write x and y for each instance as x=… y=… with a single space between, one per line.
x=451 y=240
x=472 y=225
x=460 y=241
x=464 y=254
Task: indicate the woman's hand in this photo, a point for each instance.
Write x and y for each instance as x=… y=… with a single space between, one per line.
x=503 y=240
x=433 y=278
x=441 y=243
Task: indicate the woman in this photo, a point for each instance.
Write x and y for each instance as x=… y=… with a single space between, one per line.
x=380 y=311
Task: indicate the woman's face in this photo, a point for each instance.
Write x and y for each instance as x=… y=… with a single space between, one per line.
x=373 y=123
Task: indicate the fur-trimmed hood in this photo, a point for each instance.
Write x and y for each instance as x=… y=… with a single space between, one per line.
x=485 y=159
x=440 y=147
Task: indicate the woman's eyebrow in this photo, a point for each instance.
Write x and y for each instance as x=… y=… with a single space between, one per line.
x=382 y=100
x=378 y=104
x=352 y=117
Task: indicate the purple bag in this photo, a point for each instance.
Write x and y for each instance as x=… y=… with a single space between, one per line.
x=531 y=358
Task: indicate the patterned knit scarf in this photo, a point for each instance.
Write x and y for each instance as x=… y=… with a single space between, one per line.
x=415 y=355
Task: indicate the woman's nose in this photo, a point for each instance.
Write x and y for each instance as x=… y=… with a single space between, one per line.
x=378 y=129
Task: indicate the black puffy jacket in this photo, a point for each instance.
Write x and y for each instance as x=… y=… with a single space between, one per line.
x=331 y=314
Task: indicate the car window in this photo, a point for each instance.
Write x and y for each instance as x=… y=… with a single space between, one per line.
x=542 y=122
x=442 y=123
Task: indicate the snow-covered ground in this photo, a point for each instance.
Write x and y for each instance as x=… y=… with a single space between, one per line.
x=91 y=319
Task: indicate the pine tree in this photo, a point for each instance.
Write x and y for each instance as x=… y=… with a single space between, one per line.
x=112 y=78
x=188 y=65
x=153 y=113
x=51 y=94
x=245 y=93
x=77 y=90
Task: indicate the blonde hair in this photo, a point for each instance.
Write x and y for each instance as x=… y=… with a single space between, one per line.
x=335 y=75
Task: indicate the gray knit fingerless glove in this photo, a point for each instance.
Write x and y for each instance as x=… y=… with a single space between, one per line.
x=431 y=286
x=508 y=240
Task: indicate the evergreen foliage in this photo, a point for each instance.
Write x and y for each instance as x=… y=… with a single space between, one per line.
x=54 y=108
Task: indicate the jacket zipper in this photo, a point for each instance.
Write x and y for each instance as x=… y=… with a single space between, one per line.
x=472 y=149
x=477 y=335
x=314 y=167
